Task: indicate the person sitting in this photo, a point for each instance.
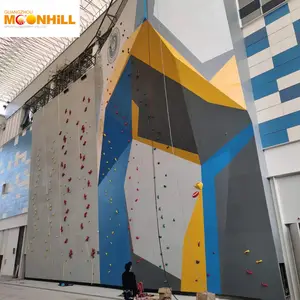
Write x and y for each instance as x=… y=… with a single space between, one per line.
x=129 y=283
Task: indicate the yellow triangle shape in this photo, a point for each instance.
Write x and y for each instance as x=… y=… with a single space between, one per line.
x=228 y=81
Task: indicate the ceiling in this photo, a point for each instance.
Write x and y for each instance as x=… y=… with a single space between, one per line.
x=23 y=59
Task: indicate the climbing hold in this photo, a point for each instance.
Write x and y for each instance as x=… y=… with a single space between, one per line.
x=199 y=185
x=81 y=226
x=259 y=261
x=197 y=262
x=89 y=100
x=60 y=133
x=84 y=143
x=85 y=214
x=65 y=202
x=89 y=183
x=195 y=194
x=64 y=138
x=68 y=190
x=80 y=155
x=70 y=253
x=62 y=147
x=63 y=174
x=164 y=226
x=67 y=211
x=61 y=229
x=62 y=164
x=77 y=123
x=65 y=218
x=70 y=179
x=93 y=252
x=82 y=166
x=83 y=99
x=81 y=137
x=84 y=196
x=87 y=238
x=208 y=275
x=83 y=128
x=66 y=111
x=264 y=284
x=137 y=237
x=137 y=168
x=83 y=158
x=198 y=244
x=65 y=152
x=173 y=220
x=66 y=241
x=249 y=272
x=117 y=211
x=88 y=206
x=70 y=112
x=247 y=252
x=65 y=165
x=67 y=121
x=90 y=172
x=85 y=109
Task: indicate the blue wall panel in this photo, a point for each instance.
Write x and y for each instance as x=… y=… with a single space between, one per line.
x=15 y=171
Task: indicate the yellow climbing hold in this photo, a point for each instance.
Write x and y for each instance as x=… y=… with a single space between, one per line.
x=247 y=252
x=104 y=134
x=199 y=186
x=116 y=159
x=112 y=232
x=259 y=261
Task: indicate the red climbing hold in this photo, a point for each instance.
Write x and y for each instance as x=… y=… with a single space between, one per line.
x=84 y=196
x=66 y=111
x=81 y=226
x=137 y=237
x=66 y=241
x=85 y=109
x=125 y=123
x=83 y=158
x=89 y=100
x=80 y=156
x=195 y=195
x=65 y=165
x=264 y=284
x=68 y=190
x=67 y=121
x=77 y=123
x=70 y=253
x=65 y=152
x=70 y=112
x=129 y=177
x=60 y=133
x=85 y=214
x=87 y=238
x=136 y=200
x=137 y=190
x=64 y=138
x=137 y=168
x=83 y=99
x=70 y=179
x=82 y=166
x=88 y=206
x=84 y=143
x=62 y=147
x=130 y=220
x=62 y=164
x=83 y=128
x=65 y=202
x=93 y=252
x=90 y=172
x=65 y=218
x=63 y=174
x=67 y=211
x=117 y=112
x=61 y=229
x=89 y=183
x=249 y=272
x=81 y=137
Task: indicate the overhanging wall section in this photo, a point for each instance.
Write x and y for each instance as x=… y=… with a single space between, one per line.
x=63 y=215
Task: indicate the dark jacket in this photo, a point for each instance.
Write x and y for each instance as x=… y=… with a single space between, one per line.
x=129 y=281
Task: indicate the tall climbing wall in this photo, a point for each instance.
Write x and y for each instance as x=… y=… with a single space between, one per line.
x=63 y=209
x=180 y=189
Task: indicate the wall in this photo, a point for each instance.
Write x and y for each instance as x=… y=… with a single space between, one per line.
x=14 y=171
x=8 y=241
x=156 y=141
x=63 y=209
x=272 y=46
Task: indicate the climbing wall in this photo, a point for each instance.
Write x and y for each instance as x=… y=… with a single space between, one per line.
x=179 y=179
x=63 y=209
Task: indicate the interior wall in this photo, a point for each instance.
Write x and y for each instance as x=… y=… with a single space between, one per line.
x=14 y=172
x=62 y=233
x=8 y=242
